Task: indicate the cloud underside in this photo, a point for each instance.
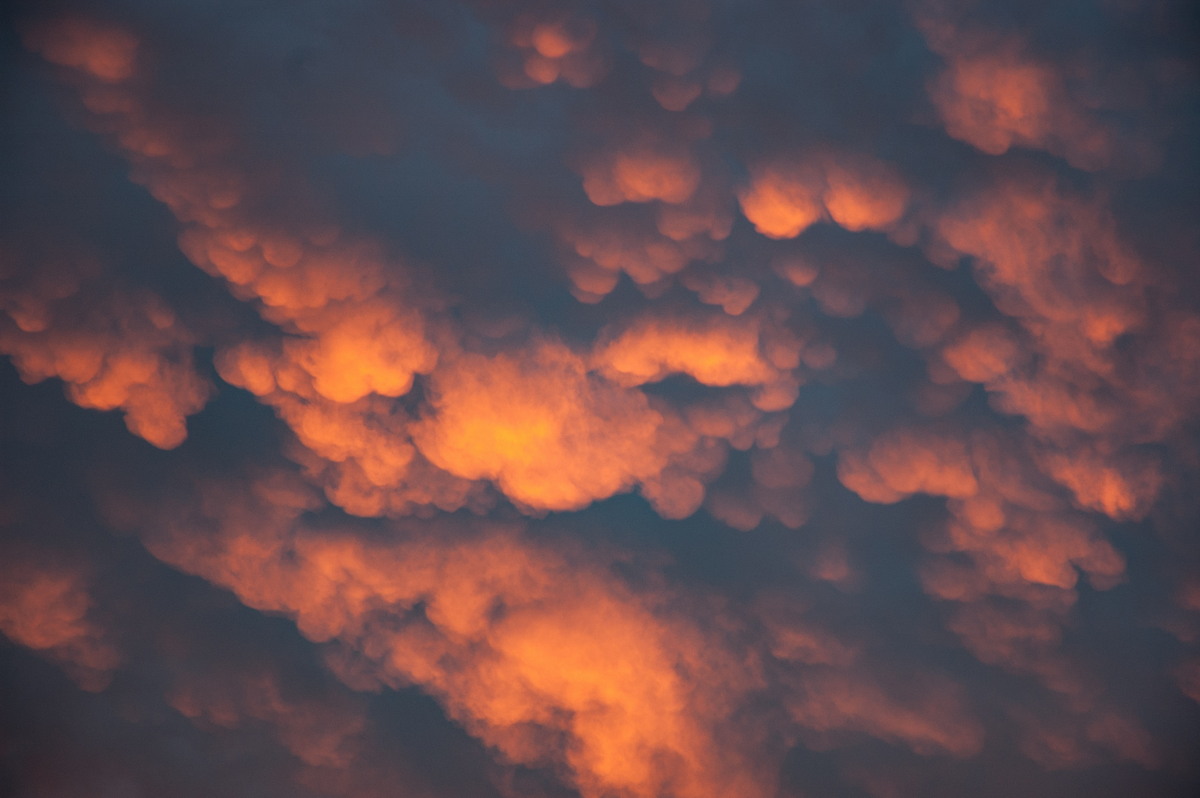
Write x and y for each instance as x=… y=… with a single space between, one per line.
x=600 y=399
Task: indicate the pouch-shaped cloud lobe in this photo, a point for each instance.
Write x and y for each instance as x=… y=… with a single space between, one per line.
x=667 y=399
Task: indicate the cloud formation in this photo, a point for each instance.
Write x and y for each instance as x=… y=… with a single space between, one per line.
x=690 y=399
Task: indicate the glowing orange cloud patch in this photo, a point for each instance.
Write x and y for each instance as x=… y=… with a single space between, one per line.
x=699 y=217
x=607 y=246
x=983 y=354
x=545 y=658
x=733 y=294
x=1041 y=564
x=995 y=93
x=621 y=679
x=359 y=433
x=113 y=351
x=362 y=349
x=907 y=461
x=1053 y=405
x=1040 y=549
x=541 y=70
x=800 y=272
x=103 y=51
x=863 y=195
x=785 y=198
x=642 y=175
x=348 y=333
x=360 y=452
x=983 y=512
x=554 y=49
x=553 y=40
x=1053 y=261
x=550 y=435
x=715 y=351
x=992 y=102
x=1060 y=252
x=45 y=606
x=997 y=100
x=1121 y=488
x=780 y=205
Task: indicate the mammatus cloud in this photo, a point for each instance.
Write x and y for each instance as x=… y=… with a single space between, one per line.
x=500 y=629
x=112 y=349
x=707 y=400
x=46 y=608
x=785 y=198
x=996 y=91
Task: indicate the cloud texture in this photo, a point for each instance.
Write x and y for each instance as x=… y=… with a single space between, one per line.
x=671 y=399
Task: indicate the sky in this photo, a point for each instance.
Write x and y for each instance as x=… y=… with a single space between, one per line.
x=599 y=398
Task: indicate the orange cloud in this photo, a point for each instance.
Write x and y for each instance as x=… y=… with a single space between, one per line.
x=365 y=348
x=1053 y=262
x=549 y=434
x=984 y=353
x=1000 y=99
x=550 y=49
x=642 y=175
x=782 y=203
x=601 y=250
x=715 y=351
x=349 y=334
x=45 y=605
x=1121 y=488
x=733 y=294
x=863 y=194
x=785 y=198
x=907 y=461
x=1049 y=255
x=105 y=52
x=995 y=94
x=539 y=654
x=114 y=350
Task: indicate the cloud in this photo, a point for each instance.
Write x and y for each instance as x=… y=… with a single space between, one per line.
x=996 y=92
x=113 y=349
x=548 y=433
x=856 y=192
x=599 y=399
x=504 y=630
x=46 y=606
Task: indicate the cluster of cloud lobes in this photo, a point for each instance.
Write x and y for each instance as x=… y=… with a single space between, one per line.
x=670 y=399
